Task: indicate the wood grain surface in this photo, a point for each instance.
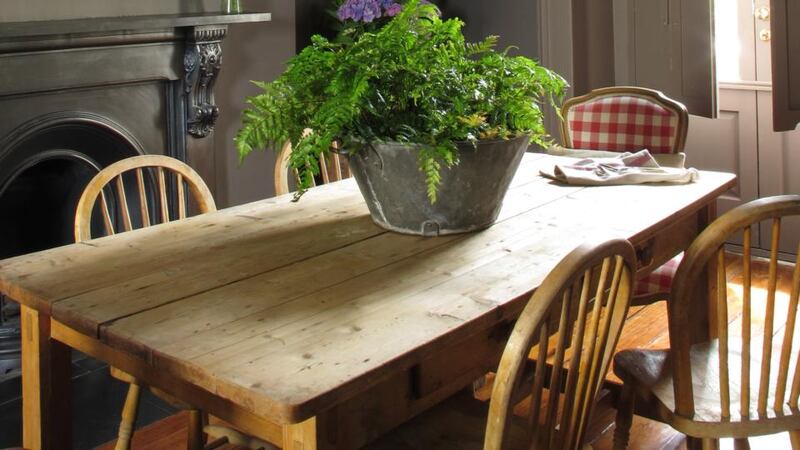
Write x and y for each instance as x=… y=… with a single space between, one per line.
x=289 y=309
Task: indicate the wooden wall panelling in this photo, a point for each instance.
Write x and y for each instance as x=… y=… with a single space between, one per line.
x=785 y=63
x=728 y=143
x=779 y=158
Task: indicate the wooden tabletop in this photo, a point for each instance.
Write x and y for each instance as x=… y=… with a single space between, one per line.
x=288 y=308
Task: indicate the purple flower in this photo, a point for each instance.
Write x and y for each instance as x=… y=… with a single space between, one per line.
x=368 y=10
x=393 y=10
x=372 y=11
x=360 y=10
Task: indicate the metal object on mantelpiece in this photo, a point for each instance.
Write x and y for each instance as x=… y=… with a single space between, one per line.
x=202 y=62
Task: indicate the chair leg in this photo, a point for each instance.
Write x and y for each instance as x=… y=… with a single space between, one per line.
x=693 y=443
x=741 y=444
x=197 y=438
x=128 y=422
x=624 y=420
x=794 y=438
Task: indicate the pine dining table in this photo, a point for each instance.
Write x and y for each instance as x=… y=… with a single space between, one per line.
x=304 y=323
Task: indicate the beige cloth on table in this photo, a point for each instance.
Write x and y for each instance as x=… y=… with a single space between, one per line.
x=608 y=168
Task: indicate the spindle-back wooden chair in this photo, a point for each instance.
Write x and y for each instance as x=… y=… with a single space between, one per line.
x=745 y=380
x=152 y=174
x=574 y=319
x=148 y=179
x=333 y=167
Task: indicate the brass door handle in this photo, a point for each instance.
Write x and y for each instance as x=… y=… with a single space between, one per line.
x=762 y=13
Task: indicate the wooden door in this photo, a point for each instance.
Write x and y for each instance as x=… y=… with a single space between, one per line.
x=742 y=139
x=667 y=45
x=730 y=142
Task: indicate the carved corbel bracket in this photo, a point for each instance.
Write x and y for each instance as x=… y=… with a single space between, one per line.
x=201 y=64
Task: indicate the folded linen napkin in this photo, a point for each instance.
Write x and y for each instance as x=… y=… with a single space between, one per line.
x=627 y=168
x=663 y=159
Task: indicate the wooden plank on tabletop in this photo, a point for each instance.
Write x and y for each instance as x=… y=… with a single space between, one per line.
x=645 y=209
x=42 y=278
x=167 y=283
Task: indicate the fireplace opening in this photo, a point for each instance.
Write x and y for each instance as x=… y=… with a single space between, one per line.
x=44 y=167
x=39 y=203
x=44 y=172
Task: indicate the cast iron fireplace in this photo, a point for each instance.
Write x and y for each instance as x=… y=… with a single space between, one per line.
x=77 y=95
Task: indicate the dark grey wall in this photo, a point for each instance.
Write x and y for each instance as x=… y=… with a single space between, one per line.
x=251 y=52
x=593 y=45
x=513 y=20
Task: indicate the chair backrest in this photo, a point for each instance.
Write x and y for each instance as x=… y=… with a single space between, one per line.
x=145 y=199
x=624 y=119
x=706 y=255
x=333 y=167
x=573 y=322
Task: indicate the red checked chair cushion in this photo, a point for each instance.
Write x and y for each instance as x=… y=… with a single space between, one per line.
x=660 y=279
x=622 y=123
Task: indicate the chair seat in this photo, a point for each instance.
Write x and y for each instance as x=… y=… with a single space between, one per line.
x=458 y=423
x=650 y=373
x=659 y=280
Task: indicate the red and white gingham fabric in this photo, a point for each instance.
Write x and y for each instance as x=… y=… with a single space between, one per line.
x=622 y=123
x=660 y=279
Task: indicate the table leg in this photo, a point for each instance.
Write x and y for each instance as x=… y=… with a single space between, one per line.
x=301 y=436
x=703 y=312
x=46 y=389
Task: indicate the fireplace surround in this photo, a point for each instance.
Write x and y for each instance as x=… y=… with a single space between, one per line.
x=78 y=94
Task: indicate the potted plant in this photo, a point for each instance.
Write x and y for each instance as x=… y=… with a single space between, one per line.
x=434 y=126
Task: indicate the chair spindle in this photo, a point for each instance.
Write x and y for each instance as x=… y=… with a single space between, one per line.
x=162 y=191
x=795 y=392
x=109 y=225
x=181 y=196
x=554 y=390
x=144 y=208
x=746 y=323
x=722 y=334
x=538 y=382
x=769 y=319
x=575 y=368
x=786 y=348
x=323 y=168
x=337 y=166
x=123 y=204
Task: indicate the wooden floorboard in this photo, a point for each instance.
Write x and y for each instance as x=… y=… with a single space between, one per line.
x=166 y=434
x=645 y=328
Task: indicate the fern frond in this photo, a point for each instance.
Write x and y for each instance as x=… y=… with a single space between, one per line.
x=484 y=46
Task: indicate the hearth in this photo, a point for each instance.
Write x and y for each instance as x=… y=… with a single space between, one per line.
x=79 y=94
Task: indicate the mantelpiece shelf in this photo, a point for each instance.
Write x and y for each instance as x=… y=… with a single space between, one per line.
x=101 y=25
